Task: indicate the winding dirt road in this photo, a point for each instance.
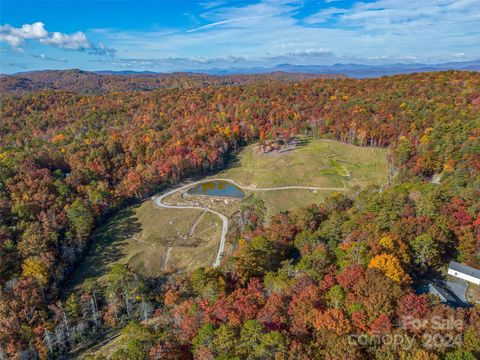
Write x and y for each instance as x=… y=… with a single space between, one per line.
x=158 y=201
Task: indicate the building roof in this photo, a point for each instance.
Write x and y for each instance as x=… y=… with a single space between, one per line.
x=464 y=269
x=442 y=293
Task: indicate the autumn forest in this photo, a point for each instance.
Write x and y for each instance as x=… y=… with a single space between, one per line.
x=333 y=280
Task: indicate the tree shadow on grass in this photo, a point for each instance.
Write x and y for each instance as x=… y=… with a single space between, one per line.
x=232 y=161
x=107 y=245
x=303 y=141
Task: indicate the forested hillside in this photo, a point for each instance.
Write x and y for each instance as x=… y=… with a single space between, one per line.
x=86 y=82
x=301 y=285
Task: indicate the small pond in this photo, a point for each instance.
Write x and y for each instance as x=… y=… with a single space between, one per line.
x=217 y=188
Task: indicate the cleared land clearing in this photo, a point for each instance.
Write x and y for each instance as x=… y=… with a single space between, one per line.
x=188 y=258
x=322 y=163
x=153 y=241
x=140 y=235
x=282 y=200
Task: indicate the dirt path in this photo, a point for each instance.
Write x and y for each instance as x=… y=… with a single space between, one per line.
x=158 y=201
x=166 y=257
x=194 y=225
x=254 y=188
x=80 y=353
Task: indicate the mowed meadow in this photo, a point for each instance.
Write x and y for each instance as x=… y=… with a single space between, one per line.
x=311 y=162
x=141 y=235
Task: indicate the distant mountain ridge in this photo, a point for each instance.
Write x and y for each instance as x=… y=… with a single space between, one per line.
x=95 y=82
x=352 y=70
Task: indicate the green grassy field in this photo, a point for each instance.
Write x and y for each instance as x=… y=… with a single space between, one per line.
x=282 y=200
x=321 y=163
x=140 y=235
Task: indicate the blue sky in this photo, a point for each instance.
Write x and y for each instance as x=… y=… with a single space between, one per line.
x=188 y=35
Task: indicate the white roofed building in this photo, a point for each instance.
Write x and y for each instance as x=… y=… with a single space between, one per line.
x=464 y=272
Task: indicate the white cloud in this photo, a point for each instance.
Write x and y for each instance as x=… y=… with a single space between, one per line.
x=102 y=50
x=15 y=37
x=269 y=32
x=49 y=58
x=223 y=22
x=76 y=41
x=324 y=15
x=211 y=4
x=392 y=15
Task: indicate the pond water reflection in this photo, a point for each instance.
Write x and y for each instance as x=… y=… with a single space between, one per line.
x=217 y=188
